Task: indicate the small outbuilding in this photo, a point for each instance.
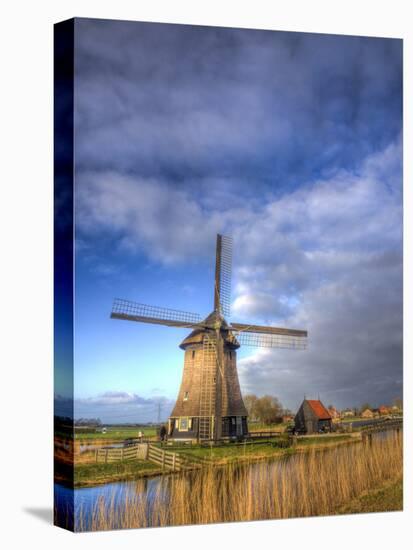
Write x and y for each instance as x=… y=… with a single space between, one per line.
x=312 y=417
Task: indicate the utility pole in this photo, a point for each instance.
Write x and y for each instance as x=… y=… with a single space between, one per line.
x=159 y=412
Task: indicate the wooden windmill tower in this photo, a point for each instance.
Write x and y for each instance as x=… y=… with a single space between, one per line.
x=209 y=404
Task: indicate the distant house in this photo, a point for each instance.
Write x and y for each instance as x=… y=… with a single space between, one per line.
x=333 y=412
x=367 y=413
x=287 y=418
x=384 y=410
x=347 y=412
x=312 y=417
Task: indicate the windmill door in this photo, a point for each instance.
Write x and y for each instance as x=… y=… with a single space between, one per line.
x=239 y=425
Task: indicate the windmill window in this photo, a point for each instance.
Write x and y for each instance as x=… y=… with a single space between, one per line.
x=186 y=396
x=183 y=424
x=193 y=354
x=230 y=354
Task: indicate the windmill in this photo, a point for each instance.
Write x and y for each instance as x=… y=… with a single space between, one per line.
x=209 y=404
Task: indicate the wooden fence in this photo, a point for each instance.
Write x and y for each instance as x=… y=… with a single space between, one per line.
x=171 y=461
x=167 y=460
x=131 y=452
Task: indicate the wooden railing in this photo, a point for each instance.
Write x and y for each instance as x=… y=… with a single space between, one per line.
x=382 y=425
x=263 y=434
x=168 y=460
x=132 y=452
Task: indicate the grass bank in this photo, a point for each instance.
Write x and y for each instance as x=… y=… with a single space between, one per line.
x=239 y=452
x=387 y=498
x=96 y=474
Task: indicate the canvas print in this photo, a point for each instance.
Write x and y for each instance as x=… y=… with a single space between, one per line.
x=228 y=275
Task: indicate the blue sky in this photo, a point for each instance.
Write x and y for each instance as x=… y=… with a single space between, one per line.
x=289 y=142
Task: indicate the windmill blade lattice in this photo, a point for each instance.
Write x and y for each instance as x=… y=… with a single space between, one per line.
x=263 y=340
x=265 y=329
x=143 y=313
x=223 y=275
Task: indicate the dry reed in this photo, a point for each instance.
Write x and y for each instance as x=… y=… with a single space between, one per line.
x=307 y=484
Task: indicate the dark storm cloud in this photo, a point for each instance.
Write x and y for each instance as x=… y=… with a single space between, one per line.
x=183 y=102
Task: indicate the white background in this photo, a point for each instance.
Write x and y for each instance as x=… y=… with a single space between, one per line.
x=26 y=218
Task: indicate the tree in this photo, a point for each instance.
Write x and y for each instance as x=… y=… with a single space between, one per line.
x=250 y=402
x=88 y=422
x=365 y=406
x=268 y=409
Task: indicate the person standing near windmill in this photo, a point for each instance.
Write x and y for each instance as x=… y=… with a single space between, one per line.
x=210 y=405
x=162 y=433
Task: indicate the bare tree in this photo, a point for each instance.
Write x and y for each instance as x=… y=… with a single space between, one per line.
x=268 y=409
x=250 y=402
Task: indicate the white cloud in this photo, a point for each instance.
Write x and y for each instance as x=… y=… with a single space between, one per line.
x=122 y=406
x=145 y=214
x=342 y=256
x=327 y=257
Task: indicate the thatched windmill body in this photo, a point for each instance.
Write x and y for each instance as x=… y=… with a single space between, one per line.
x=209 y=404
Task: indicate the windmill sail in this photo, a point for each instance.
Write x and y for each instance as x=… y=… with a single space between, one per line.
x=258 y=339
x=269 y=337
x=223 y=273
x=143 y=313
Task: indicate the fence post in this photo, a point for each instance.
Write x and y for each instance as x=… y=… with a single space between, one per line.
x=163 y=460
x=173 y=462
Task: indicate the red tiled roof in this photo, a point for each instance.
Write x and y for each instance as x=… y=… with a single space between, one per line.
x=319 y=409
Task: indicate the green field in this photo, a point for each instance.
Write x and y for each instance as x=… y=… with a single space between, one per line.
x=118 y=432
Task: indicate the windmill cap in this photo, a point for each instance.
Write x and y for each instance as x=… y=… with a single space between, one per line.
x=214 y=320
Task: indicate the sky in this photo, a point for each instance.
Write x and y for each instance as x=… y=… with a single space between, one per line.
x=289 y=142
